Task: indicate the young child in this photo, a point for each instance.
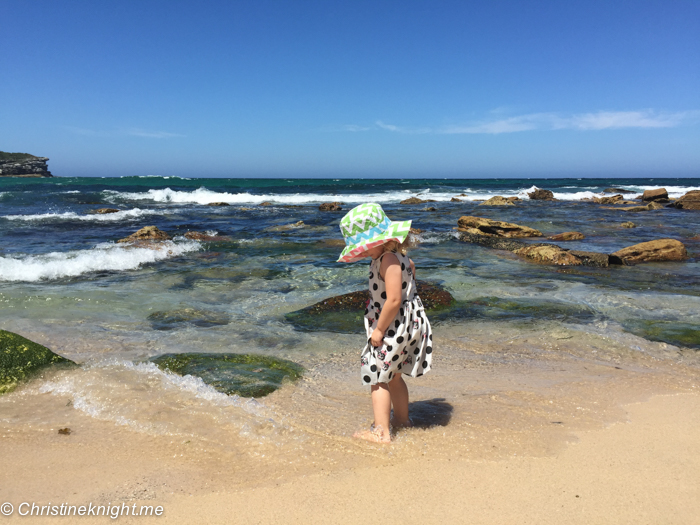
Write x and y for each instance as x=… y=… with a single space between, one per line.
x=399 y=335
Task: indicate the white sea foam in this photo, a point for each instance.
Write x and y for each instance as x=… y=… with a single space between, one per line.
x=123 y=215
x=110 y=257
x=205 y=196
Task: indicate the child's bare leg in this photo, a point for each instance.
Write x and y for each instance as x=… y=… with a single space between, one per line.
x=381 y=404
x=399 y=398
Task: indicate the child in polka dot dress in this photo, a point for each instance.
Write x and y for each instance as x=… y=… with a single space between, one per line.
x=399 y=335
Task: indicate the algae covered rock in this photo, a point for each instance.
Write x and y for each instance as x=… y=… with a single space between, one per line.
x=170 y=320
x=147 y=233
x=247 y=375
x=676 y=333
x=343 y=313
x=21 y=358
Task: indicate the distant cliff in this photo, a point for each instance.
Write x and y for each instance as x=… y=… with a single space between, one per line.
x=23 y=165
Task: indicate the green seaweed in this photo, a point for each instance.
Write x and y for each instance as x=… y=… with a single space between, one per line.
x=672 y=332
x=21 y=358
x=248 y=375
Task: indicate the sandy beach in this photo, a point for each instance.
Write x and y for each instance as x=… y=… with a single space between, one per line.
x=566 y=440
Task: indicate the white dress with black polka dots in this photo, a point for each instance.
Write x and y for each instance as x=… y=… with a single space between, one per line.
x=408 y=340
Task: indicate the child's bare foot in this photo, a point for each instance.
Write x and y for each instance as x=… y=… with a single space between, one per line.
x=374 y=434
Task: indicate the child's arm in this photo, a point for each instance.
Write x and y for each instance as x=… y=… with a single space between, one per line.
x=413 y=268
x=390 y=270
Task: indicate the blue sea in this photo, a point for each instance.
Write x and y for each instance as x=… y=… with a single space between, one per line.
x=65 y=282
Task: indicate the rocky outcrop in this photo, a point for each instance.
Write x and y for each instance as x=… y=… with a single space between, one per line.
x=490 y=228
x=415 y=200
x=541 y=195
x=497 y=201
x=648 y=207
x=331 y=206
x=689 y=201
x=21 y=358
x=286 y=227
x=567 y=236
x=147 y=233
x=657 y=195
x=549 y=254
x=103 y=211
x=657 y=250
x=615 y=199
x=455 y=199
x=218 y=204
x=23 y=165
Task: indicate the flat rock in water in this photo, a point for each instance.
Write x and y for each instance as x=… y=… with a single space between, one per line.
x=616 y=190
x=567 y=236
x=343 y=313
x=658 y=250
x=615 y=199
x=415 y=200
x=549 y=254
x=173 y=319
x=455 y=199
x=21 y=358
x=497 y=201
x=331 y=206
x=541 y=195
x=103 y=211
x=246 y=375
x=659 y=194
x=490 y=228
x=628 y=224
x=689 y=201
x=218 y=204
x=286 y=227
x=147 y=233
x=676 y=333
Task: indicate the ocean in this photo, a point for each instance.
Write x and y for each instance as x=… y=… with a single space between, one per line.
x=67 y=284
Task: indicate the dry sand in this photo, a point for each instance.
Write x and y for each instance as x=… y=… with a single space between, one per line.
x=643 y=470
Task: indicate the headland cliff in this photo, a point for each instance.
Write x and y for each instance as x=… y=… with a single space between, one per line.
x=23 y=165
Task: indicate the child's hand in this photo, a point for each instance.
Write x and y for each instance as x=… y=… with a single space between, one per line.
x=377 y=337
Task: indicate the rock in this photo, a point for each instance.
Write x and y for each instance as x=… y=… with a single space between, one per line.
x=513 y=199
x=170 y=320
x=331 y=206
x=462 y=195
x=549 y=254
x=655 y=205
x=689 y=201
x=247 y=375
x=676 y=332
x=415 y=200
x=65 y=431
x=657 y=250
x=102 y=211
x=21 y=358
x=616 y=190
x=23 y=165
x=416 y=231
x=218 y=204
x=201 y=236
x=286 y=227
x=615 y=199
x=659 y=194
x=343 y=313
x=634 y=209
x=599 y=260
x=541 y=195
x=147 y=233
x=455 y=199
x=489 y=228
x=628 y=224
x=266 y=203
x=430 y=208
x=497 y=201
x=567 y=236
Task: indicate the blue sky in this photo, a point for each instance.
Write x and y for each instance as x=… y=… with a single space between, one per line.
x=365 y=89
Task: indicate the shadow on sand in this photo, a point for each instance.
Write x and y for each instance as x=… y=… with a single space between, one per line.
x=430 y=413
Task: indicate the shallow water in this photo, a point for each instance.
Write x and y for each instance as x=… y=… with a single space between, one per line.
x=66 y=284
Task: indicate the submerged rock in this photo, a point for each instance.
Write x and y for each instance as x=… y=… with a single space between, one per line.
x=689 y=201
x=659 y=195
x=490 y=228
x=218 y=204
x=102 y=211
x=286 y=227
x=430 y=208
x=246 y=375
x=567 y=236
x=541 y=195
x=21 y=358
x=497 y=201
x=657 y=250
x=343 y=313
x=672 y=332
x=331 y=206
x=201 y=236
x=172 y=319
x=147 y=233
x=628 y=224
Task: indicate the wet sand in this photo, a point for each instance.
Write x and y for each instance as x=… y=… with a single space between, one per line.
x=547 y=428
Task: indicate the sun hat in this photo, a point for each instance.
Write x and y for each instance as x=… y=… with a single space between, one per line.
x=367 y=226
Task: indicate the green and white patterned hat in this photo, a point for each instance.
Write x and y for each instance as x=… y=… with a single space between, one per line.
x=367 y=226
